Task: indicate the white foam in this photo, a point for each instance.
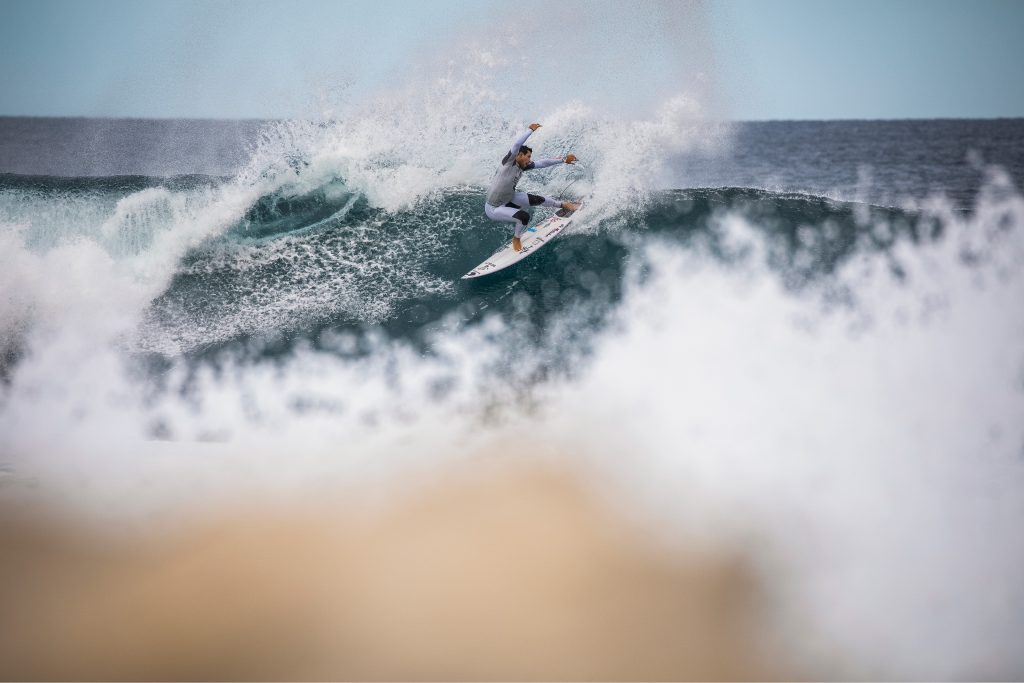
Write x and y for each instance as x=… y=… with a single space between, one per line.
x=881 y=461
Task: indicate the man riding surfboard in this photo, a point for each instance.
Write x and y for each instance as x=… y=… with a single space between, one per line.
x=504 y=203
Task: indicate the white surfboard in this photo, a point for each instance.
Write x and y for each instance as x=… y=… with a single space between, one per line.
x=532 y=239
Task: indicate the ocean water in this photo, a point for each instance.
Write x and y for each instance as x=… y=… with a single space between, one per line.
x=805 y=335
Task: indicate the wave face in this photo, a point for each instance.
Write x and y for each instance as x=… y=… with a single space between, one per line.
x=296 y=264
x=748 y=349
x=326 y=260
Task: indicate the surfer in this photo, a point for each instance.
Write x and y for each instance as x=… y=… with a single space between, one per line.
x=504 y=203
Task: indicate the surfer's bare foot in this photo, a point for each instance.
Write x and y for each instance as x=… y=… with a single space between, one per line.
x=516 y=244
x=570 y=206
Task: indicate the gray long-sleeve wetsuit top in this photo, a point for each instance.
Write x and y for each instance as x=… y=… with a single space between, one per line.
x=503 y=187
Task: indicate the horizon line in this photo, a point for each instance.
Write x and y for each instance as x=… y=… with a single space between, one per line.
x=273 y=119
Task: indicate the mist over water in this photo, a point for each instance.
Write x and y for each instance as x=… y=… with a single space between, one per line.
x=801 y=344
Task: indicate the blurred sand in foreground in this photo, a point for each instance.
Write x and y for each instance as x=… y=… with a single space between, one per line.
x=487 y=574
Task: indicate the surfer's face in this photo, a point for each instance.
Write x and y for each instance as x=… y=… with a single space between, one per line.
x=523 y=159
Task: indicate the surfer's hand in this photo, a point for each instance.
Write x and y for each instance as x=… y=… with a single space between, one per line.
x=570 y=158
x=534 y=126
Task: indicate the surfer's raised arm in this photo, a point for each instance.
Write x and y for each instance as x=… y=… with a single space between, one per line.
x=517 y=146
x=519 y=142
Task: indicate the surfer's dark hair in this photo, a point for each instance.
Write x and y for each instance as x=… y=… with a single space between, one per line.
x=523 y=149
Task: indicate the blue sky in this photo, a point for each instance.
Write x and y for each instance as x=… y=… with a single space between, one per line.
x=793 y=59
x=895 y=59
